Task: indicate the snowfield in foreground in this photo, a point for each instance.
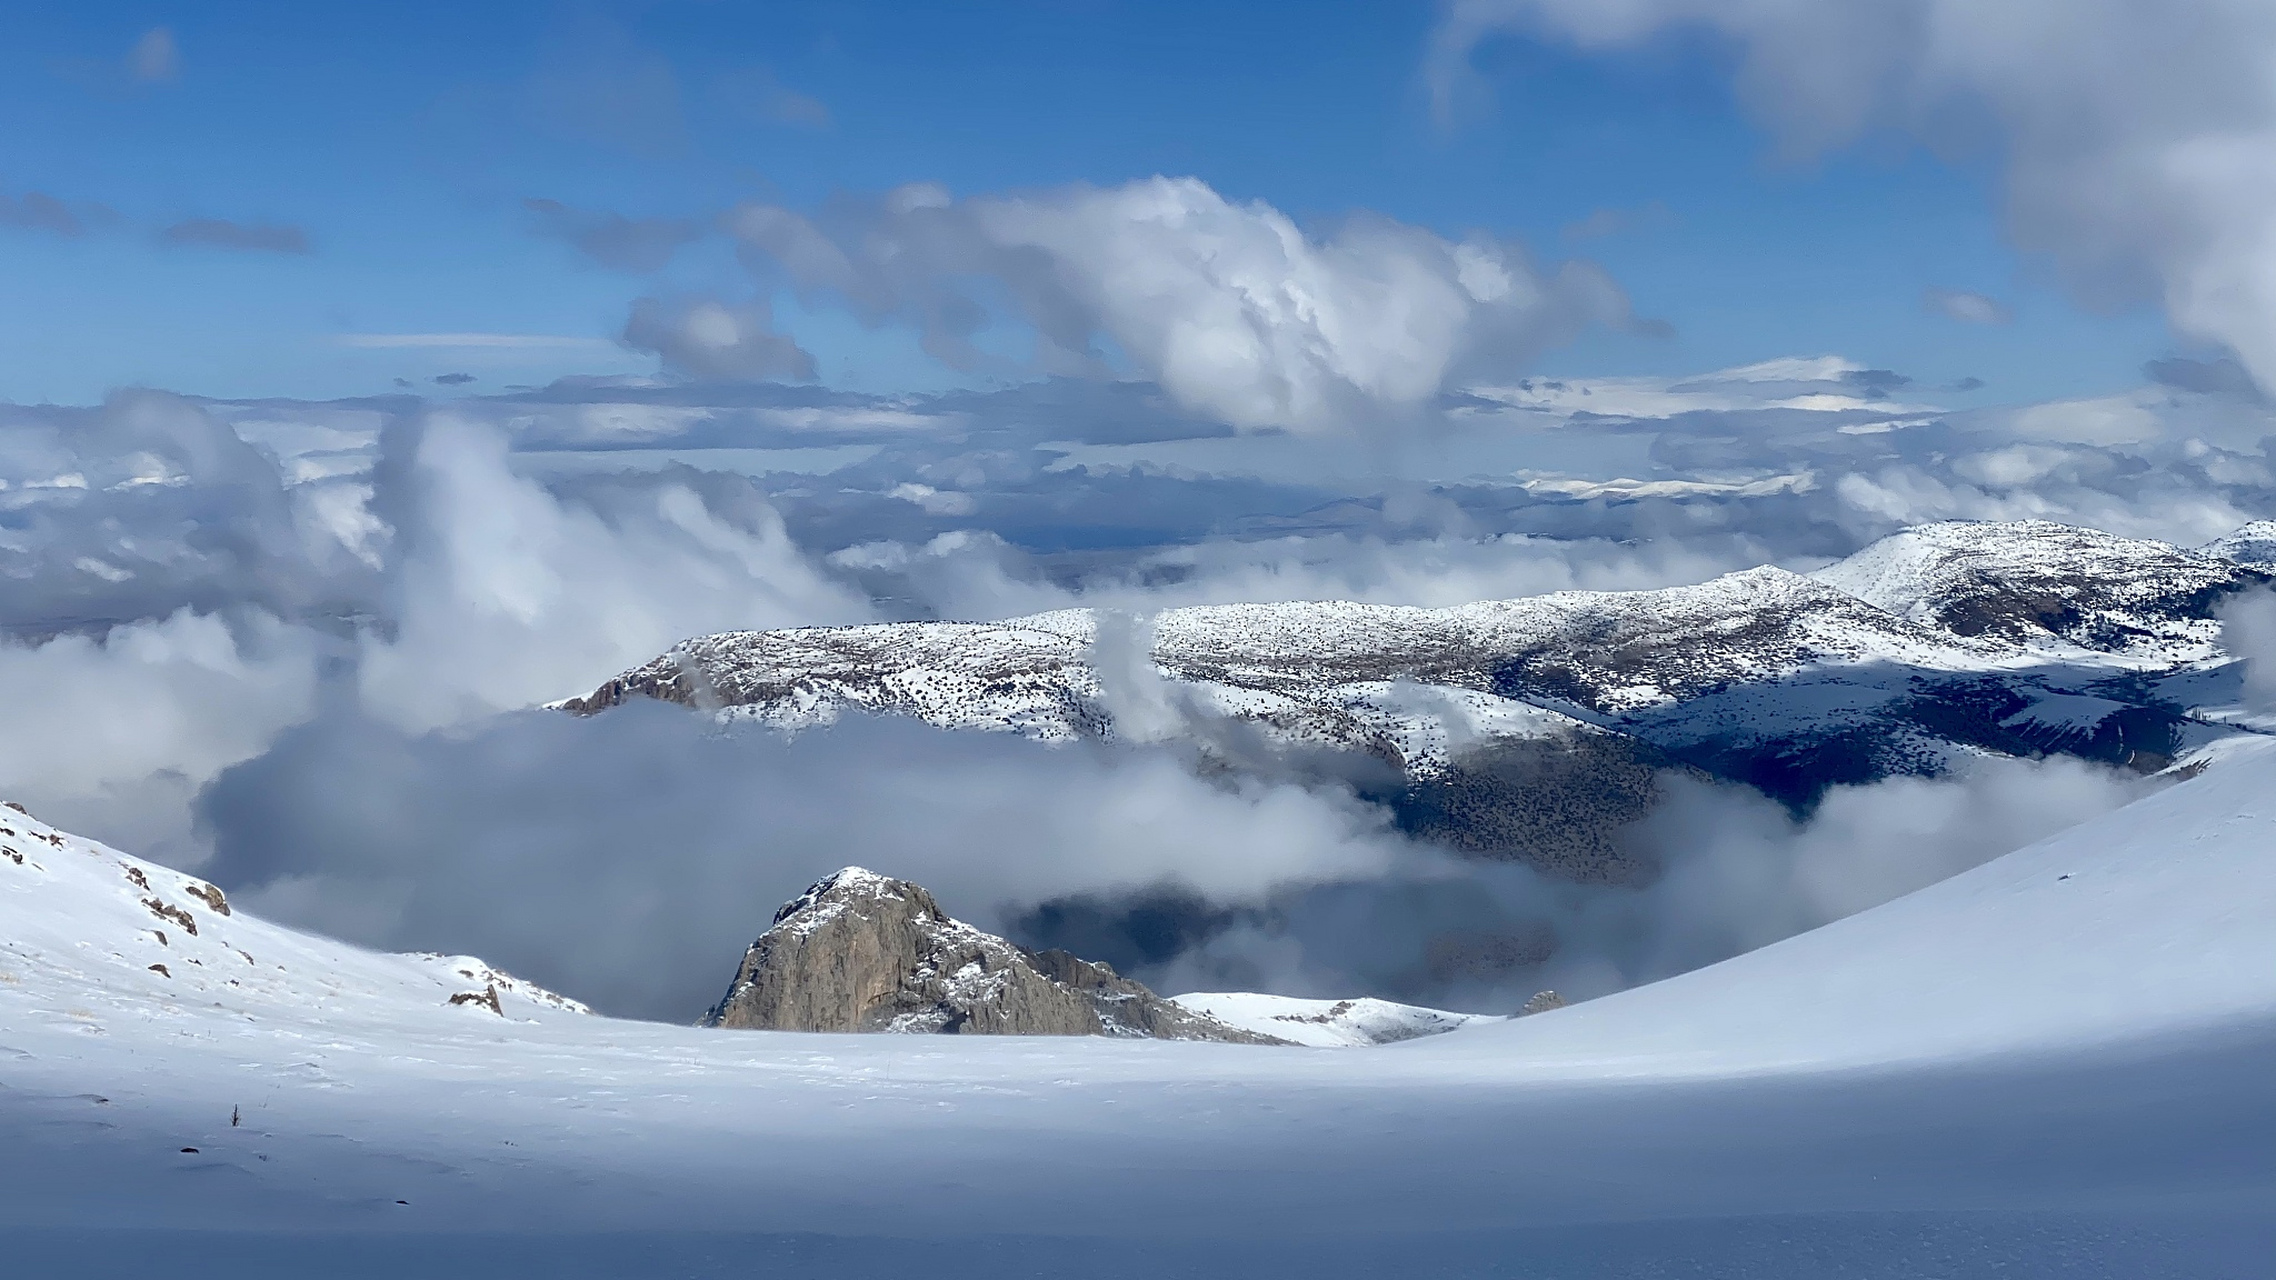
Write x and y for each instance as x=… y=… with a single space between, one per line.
x=2060 y=1063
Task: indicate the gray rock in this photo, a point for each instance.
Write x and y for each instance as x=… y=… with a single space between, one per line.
x=863 y=952
x=1541 y=1002
x=1127 y=1008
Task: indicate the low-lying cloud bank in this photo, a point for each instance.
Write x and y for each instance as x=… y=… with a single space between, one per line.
x=116 y=733
x=1737 y=872
x=629 y=857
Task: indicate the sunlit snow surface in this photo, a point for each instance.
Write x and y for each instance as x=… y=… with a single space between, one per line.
x=1328 y=1024
x=2062 y=1063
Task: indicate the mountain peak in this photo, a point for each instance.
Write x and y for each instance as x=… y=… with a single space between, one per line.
x=2254 y=544
x=2037 y=583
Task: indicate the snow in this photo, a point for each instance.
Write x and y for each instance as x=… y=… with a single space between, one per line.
x=2254 y=544
x=814 y=908
x=128 y=938
x=1328 y=1024
x=2052 y=587
x=2150 y=922
x=2055 y=1064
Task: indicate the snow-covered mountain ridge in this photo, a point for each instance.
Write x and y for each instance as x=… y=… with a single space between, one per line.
x=2022 y=638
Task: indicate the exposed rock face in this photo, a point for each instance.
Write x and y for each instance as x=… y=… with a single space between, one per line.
x=863 y=952
x=1129 y=1008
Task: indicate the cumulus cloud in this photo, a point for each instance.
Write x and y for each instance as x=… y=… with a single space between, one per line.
x=503 y=595
x=1966 y=307
x=113 y=734
x=629 y=858
x=146 y=504
x=253 y=237
x=1233 y=309
x=2136 y=136
x=710 y=338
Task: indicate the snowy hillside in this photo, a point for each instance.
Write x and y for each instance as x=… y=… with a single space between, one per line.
x=2153 y=921
x=2061 y=1041
x=2254 y=545
x=92 y=937
x=2049 y=586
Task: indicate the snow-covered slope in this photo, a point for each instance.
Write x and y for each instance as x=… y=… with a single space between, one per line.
x=2071 y=1039
x=94 y=936
x=1328 y=1024
x=2156 y=920
x=2253 y=545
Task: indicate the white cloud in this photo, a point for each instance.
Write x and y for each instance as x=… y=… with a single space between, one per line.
x=507 y=596
x=2138 y=137
x=1966 y=307
x=977 y=575
x=2248 y=630
x=1237 y=312
x=115 y=733
x=711 y=339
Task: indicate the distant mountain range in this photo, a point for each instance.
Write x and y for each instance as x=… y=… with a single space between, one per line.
x=1535 y=729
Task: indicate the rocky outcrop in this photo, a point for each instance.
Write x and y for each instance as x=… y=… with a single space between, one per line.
x=863 y=952
x=1128 y=1008
x=1541 y=1002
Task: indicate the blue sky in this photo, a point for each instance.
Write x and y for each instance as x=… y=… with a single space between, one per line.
x=401 y=141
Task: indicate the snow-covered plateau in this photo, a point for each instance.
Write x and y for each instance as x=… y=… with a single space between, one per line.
x=2061 y=1063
